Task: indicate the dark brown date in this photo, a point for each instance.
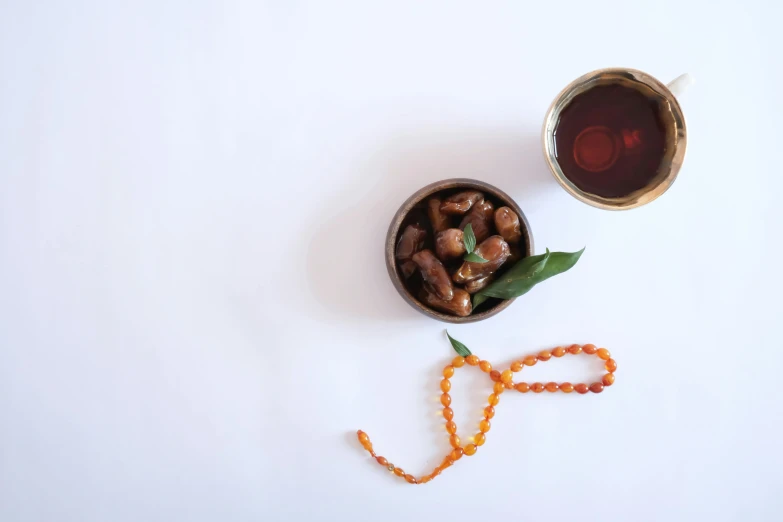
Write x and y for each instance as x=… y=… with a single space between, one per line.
x=480 y=218
x=459 y=305
x=434 y=274
x=449 y=244
x=507 y=225
x=438 y=219
x=495 y=250
x=411 y=241
x=461 y=202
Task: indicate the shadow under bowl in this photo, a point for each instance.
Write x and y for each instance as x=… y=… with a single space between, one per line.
x=417 y=201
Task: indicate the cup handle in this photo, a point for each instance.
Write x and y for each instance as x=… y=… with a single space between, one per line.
x=680 y=84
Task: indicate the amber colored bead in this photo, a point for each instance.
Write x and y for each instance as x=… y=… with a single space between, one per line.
x=516 y=366
x=596 y=387
x=454 y=441
x=551 y=387
x=479 y=439
x=458 y=361
x=537 y=387
x=559 y=351
x=574 y=349
x=410 y=479
x=456 y=454
x=445 y=385
x=382 y=461
x=451 y=427
x=493 y=399
x=499 y=388
x=530 y=360
x=445 y=399
x=472 y=360
x=485 y=366
x=489 y=412
x=506 y=376
x=508 y=385
x=589 y=349
x=494 y=375
x=484 y=426
x=399 y=472
x=544 y=355
x=608 y=379
x=603 y=353
x=566 y=387
x=522 y=387
x=362 y=436
x=470 y=449
x=448 y=371
x=448 y=413
x=425 y=479
x=447 y=461
x=367 y=446
x=611 y=365
x=581 y=388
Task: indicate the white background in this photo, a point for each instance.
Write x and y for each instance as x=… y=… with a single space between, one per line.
x=196 y=317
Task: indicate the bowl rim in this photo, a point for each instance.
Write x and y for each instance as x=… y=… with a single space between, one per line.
x=407 y=206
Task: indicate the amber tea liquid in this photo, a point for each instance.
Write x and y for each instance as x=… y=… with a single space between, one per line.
x=610 y=140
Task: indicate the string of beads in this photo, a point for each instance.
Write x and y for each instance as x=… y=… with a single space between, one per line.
x=503 y=381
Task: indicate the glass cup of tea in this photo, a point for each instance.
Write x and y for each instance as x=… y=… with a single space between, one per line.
x=615 y=138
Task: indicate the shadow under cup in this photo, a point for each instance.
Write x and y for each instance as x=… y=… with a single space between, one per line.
x=598 y=149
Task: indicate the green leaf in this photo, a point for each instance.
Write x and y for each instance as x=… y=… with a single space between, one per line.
x=526 y=274
x=475 y=258
x=460 y=348
x=469 y=238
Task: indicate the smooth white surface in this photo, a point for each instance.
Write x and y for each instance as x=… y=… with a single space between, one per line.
x=196 y=317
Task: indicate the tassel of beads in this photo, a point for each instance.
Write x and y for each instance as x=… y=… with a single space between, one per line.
x=503 y=381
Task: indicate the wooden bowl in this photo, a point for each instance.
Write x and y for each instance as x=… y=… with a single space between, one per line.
x=416 y=203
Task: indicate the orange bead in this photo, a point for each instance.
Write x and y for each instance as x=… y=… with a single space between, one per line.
x=425 y=479
x=603 y=353
x=454 y=441
x=470 y=449
x=451 y=427
x=574 y=349
x=493 y=400
x=596 y=387
x=566 y=387
x=410 y=479
x=589 y=349
x=489 y=412
x=608 y=379
x=458 y=361
x=559 y=351
x=551 y=387
x=485 y=366
x=581 y=388
x=447 y=461
x=530 y=360
x=472 y=360
x=506 y=376
x=516 y=366
x=445 y=399
x=448 y=413
x=611 y=365
x=499 y=388
x=456 y=454
x=537 y=387
x=484 y=426
x=494 y=375
x=367 y=445
x=362 y=436
x=448 y=371
x=382 y=461
x=544 y=355
x=479 y=439
x=522 y=387
x=445 y=385
x=508 y=385
x=399 y=472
